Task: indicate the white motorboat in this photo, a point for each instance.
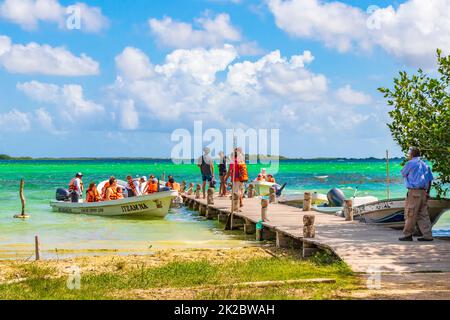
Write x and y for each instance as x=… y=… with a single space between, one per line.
x=390 y=213
x=155 y=204
x=297 y=199
x=262 y=188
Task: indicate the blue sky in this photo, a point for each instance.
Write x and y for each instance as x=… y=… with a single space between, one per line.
x=137 y=70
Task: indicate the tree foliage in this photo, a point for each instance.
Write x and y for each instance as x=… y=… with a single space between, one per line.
x=421 y=117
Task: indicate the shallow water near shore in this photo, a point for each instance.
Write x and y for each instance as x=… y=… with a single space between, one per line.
x=73 y=235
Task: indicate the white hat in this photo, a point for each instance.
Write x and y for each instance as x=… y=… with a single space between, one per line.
x=144 y=178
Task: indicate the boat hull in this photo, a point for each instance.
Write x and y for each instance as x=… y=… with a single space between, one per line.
x=155 y=205
x=262 y=188
x=391 y=213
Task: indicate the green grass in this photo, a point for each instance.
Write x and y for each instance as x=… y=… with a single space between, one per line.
x=196 y=274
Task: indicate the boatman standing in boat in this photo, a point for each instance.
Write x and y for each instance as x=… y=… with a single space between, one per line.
x=76 y=187
x=418 y=178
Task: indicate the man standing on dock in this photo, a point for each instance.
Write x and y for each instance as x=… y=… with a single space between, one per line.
x=206 y=165
x=418 y=178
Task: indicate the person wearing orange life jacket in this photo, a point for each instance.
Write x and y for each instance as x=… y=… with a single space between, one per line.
x=239 y=174
x=106 y=186
x=152 y=186
x=270 y=178
x=76 y=187
x=259 y=178
x=172 y=184
x=92 y=194
x=119 y=193
x=133 y=186
x=111 y=192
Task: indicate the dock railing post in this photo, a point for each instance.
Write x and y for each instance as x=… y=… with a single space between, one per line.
x=307 y=200
x=210 y=199
x=183 y=186
x=309 y=230
x=264 y=208
x=272 y=195
x=251 y=191
x=348 y=210
x=191 y=189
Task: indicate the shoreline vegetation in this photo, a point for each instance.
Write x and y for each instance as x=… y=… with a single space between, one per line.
x=5 y=157
x=205 y=274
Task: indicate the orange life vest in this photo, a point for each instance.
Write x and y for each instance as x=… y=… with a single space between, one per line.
x=73 y=187
x=243 y=173
x=174 y=186
x=92 y=195
x=132 y=187
x=152 y=187
x=114 y=194
x=106 y=186
x=271 y=180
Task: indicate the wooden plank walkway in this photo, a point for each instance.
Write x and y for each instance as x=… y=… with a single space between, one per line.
x=365 y=248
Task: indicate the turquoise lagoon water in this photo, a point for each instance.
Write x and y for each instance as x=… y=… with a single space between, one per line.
x=181 y=228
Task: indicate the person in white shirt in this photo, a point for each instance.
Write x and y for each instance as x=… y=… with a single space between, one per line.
x=76 y=187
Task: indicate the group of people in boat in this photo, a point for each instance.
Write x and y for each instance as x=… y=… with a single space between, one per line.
x=111 y=190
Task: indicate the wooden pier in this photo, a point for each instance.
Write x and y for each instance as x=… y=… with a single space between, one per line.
x=365 y=248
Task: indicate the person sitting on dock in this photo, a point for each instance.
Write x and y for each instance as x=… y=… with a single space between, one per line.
x=418 y=179
x=133 y=185
x=111 y=191
x=92 y=194
x=76 y=187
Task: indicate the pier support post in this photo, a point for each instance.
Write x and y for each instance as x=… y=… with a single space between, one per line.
x=309 y=230
x=202 y=209
x=234 y=222
x=249 y=227
x=223 y=217
x=285 y=241
x=348 y=210
x=196 y=205
x=251 y=191
x=307 y=200
x=265 y=234
x=264 y=206
x=191 y=204
x=211 y=213
x=308 y=249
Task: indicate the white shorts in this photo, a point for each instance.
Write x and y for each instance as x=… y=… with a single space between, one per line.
x=238 y=187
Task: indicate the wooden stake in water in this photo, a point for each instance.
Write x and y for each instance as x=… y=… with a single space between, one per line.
x=388 y=180
x=22 y=200
x=36 y=248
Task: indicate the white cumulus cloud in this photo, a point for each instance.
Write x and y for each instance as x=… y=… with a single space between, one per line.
x=15 y=121
x=349 y=96
x=411 y=32
x=34 y=58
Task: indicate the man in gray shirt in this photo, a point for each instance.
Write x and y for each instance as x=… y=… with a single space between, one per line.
x=206 y=165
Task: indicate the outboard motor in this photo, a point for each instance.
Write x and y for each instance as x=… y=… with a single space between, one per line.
x=336 y=197
x=125 y=192
x=62 y=194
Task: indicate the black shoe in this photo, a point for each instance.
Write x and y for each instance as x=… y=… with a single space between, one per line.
x=408 y=238
x=425 y=239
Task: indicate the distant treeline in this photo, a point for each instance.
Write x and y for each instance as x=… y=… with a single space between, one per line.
x=282 y=158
